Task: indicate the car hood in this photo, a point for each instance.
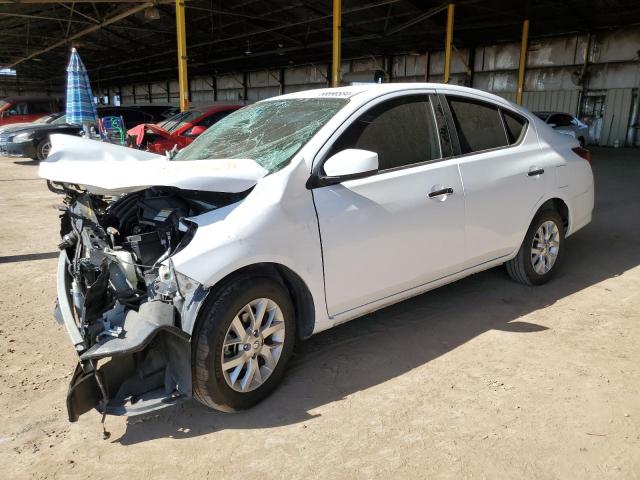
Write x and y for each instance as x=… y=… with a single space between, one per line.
x=139 y=130
x=108 y=169
x=13 y=127
x=35 y=127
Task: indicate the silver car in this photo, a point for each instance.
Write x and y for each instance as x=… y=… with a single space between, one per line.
x=566 y=124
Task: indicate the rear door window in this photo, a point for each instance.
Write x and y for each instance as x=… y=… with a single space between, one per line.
x=478 y=124
x=402 y=131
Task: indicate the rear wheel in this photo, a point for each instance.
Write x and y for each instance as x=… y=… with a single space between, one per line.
x=42 y=149
x=541 y=250
x=242 y=344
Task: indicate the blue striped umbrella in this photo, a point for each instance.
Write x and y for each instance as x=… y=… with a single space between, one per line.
x=81 y=110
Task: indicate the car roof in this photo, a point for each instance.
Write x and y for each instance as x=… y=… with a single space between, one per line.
x=548 y=114
x=365 y=92
x=218 y=108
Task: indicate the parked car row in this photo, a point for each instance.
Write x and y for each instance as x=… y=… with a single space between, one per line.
x=31 y=140
x=155 y=128
x=27 y=109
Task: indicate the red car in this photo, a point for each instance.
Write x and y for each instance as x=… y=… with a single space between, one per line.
x=26 y=109
x=179 y=130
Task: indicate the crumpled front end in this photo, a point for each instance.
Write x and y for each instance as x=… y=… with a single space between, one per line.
x=121 y=300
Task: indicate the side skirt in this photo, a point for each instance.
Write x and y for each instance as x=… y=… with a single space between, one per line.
x=412 y=292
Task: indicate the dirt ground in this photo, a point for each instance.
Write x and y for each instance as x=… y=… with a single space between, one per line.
x=483 y=378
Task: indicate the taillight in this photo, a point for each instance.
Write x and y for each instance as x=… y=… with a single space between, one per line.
x=583 y=153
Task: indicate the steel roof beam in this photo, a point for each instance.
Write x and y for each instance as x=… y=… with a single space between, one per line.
x=85 y=31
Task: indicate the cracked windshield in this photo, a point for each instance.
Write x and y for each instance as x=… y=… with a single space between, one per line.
x=268 y=132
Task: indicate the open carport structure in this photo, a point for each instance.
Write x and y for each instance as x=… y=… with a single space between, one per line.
x=482 y=378
x=576 y=57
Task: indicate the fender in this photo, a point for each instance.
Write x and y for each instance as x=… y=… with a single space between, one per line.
x=534 y=211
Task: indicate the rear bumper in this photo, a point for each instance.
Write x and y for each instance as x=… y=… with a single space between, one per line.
x=581 y=211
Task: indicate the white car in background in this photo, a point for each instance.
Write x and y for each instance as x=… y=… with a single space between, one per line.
x=567 y=125
x=196 y=275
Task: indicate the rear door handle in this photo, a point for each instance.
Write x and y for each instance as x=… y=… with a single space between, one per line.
x=442 y=191
x=536 y=172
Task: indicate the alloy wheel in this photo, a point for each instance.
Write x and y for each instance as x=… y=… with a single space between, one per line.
x=253 y=345
x=545 y=247
x=44 y=150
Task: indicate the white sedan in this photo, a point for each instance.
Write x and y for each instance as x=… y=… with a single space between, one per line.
x=195 y=275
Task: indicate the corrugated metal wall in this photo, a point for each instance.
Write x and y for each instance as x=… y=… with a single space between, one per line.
x=550 y=83
x=552 y=100
x=616 y=116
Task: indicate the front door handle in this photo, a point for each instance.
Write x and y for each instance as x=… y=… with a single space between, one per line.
x=535 y=172
x=440 y=192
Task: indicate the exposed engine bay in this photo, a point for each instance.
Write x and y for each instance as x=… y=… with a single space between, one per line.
x=124 y=299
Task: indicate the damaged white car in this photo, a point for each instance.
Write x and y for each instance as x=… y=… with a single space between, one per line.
x=194 y=276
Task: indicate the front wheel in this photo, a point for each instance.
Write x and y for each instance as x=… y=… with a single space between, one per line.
x=242 y=343
x=540 y=252
x=42 y=149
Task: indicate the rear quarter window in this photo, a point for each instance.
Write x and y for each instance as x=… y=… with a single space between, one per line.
x=514 y=125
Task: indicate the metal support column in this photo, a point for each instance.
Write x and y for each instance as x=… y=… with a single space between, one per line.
x=472 y=65
x=337 y=27
x=448 y=42
x=523 y=61
x=281 y=82
x=583 y=75
x=427 y=65
x=182 y=55
x=245 y=86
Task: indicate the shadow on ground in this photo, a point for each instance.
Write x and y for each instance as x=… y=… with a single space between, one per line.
x=391 y=342
x=30 y=162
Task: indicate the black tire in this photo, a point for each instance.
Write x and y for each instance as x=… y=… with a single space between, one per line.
x=42 y=149
x=581 y=141
x=521 y=268
x=209 y=385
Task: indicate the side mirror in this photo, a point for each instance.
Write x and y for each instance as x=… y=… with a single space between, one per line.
x=349 y=164
x=552 y=125
x=195 y=131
